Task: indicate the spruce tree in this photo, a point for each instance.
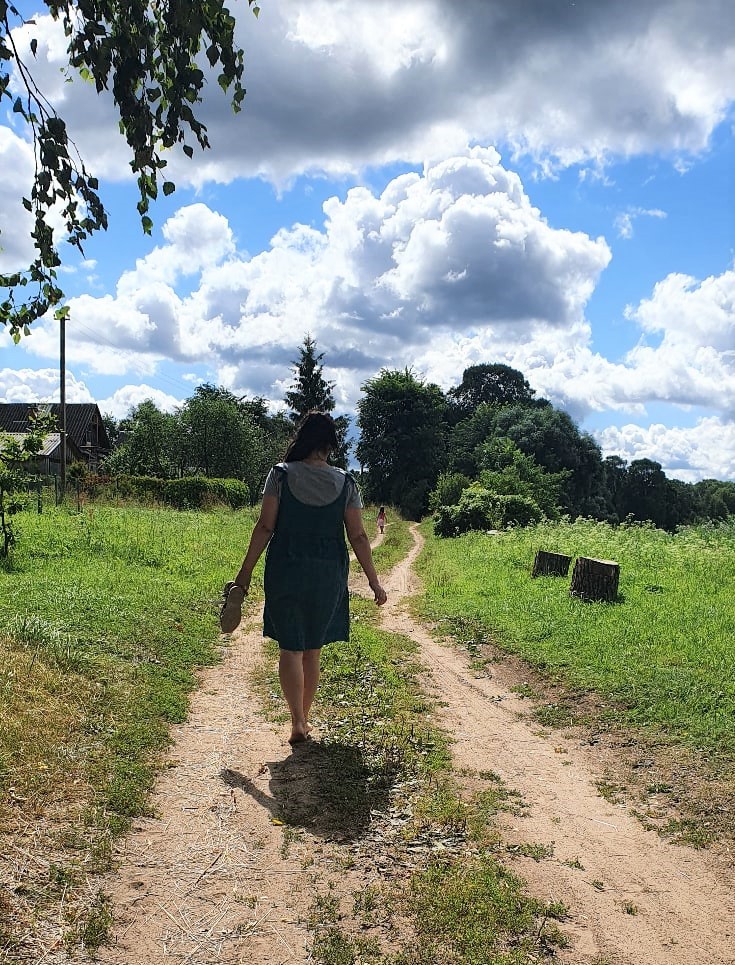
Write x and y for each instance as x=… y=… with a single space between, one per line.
x=311 y=391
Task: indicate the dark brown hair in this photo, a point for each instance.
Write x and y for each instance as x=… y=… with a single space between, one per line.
x=316 y=431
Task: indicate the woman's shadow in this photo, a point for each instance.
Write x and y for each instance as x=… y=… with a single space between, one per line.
x=326 y=788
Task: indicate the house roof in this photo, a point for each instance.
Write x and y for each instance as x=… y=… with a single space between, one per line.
x=15 y=417
x=50 y=444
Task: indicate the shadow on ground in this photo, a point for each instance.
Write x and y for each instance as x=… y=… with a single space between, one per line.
x=326 y=788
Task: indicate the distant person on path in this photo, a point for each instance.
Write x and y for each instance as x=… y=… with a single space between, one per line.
x=381 y=519
x=307 y=506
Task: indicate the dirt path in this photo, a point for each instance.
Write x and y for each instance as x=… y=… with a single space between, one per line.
x=216 y=877
x=684 y=904
x=212 y=878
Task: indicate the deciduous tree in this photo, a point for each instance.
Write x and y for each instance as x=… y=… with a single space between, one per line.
x=488 y=384
x=218 y=438
x=150 y=55
x=547 y=434
x=646 y=491
x=402 y=441
x=151 y=444
x=506 y=470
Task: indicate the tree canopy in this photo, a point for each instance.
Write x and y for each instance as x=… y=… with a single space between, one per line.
x=501 y=465
x=491 y=384
x=151 y=57
x=213 y=434
x=544 y=433
x=401 y=420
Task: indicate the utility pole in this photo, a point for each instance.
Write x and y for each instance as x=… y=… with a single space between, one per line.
x=62 y=400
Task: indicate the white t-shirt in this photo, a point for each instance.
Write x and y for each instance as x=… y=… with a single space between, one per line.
x=314 y=485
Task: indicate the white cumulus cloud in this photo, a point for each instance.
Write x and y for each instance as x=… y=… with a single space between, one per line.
x=128 y=397
x=337 y=85
x=703 y=451
x=455 y=251
x=40 y=385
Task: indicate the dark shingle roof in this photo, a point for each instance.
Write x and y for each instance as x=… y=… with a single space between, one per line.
x=15 y=417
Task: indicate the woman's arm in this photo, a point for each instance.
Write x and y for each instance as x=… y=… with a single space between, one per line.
x=361 y=545
x=259 y=539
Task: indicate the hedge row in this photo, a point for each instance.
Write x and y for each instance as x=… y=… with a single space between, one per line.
x=191 y=492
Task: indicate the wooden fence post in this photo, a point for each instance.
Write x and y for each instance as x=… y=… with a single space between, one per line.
x=595 y=579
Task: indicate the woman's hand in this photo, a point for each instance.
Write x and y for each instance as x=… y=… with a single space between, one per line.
x=380 y=595
x=243 y=580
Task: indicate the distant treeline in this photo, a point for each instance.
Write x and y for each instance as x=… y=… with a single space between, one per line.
x=485 y=454
x=219 y=435
x=488 y=453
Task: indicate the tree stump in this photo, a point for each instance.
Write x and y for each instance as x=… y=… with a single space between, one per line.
x=595 y=579
x=550 y=564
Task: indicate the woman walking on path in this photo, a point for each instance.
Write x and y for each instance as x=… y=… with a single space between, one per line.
x=307 y=506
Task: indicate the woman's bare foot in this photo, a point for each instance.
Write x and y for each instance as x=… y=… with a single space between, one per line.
x=299 y=733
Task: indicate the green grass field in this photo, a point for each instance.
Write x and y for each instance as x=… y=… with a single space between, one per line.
x=109 y=609
x=105 y=615
x=664 y=654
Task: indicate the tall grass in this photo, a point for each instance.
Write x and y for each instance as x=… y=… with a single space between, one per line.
x=664 y=654
x=120 y=604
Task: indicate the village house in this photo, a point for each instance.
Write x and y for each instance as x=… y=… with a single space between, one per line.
x=87 y=439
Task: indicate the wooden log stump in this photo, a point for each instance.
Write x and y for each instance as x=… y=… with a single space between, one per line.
x=550 y=564
x=595 y=579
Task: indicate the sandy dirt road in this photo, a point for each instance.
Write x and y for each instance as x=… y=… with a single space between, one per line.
x=212 y=878
x=684 y=900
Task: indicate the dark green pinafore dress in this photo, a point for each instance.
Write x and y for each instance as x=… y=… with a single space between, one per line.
x=306 y=569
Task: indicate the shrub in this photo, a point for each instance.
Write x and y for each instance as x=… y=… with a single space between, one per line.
x=480 y=508
x=448 y=490
x=190 y=492
x=77 y=470
x=517 y=511
x=197 y=492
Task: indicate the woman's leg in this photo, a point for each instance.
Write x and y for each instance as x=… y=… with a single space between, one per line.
x=291 y=675
x=311 y=679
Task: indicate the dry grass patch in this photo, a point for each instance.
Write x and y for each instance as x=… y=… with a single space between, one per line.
x=43 y=711
x=44 y=800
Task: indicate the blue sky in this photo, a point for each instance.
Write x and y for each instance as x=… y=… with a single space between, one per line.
x=542 y=183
